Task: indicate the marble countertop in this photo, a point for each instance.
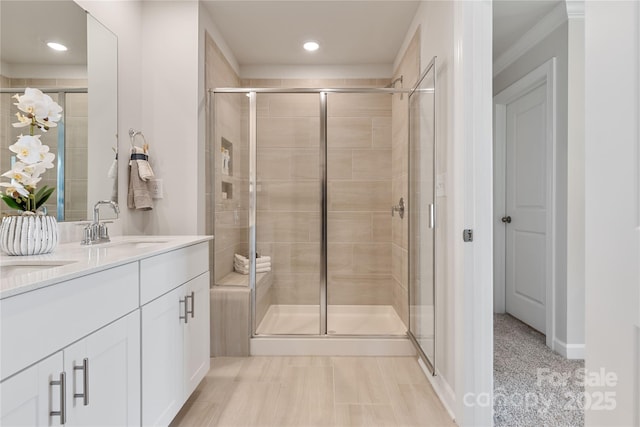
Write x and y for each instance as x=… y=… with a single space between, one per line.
x=20 y=274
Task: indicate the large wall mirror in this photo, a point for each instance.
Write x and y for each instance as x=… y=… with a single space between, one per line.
x=82 y=79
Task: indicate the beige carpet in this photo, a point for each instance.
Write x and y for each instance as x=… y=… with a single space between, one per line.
x=533 y=386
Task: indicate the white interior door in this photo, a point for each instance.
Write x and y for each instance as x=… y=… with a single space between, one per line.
x=526 y=208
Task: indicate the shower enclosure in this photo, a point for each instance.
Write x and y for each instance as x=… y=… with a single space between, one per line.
x=303 y=189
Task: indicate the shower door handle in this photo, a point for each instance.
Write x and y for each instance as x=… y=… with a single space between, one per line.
x=432 y=215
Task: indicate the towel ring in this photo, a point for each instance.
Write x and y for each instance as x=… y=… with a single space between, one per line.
x=132 y=137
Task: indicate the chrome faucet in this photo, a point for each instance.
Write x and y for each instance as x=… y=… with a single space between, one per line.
x=97 y=232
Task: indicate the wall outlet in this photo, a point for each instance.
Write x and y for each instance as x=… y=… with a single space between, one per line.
x=156 y=189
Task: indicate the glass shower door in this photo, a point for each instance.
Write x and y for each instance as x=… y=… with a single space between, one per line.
x=288 y=214
x=422 y=210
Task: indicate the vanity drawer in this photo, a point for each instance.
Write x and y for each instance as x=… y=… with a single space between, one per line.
x=164 y=272
x=36 y=324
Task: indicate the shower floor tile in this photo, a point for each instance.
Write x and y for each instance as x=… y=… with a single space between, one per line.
x=283 y=319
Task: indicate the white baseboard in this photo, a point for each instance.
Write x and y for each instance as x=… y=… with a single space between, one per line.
x=442 y=389
x=570 y=351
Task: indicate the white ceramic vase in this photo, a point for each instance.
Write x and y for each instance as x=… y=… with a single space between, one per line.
x=28 y=234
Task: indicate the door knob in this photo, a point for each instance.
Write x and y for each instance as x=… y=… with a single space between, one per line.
x=506 y=219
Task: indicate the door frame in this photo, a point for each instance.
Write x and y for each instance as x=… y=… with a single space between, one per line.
x=545 y=73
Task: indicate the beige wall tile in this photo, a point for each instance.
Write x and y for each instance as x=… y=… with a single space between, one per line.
x=358 y=105
x=372 y=258
x=349 y=227
x=292 y=105
x=288 y=132
x=273 y=164
x=372 y=165
x=381 y=227
x=284 y=226
x=305 y=165
x=293 y=196
x=381 y=128
x=357 y=289
x=339 y=257
x=349 y=132
x=339 y=164
x=359 y=196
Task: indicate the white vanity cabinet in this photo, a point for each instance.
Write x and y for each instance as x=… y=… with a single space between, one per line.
x=28 y=398
x=175 y=330
x=93 y=355
x=118 y=337
x=103 y=376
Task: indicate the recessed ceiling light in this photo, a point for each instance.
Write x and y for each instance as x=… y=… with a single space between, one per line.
x=311 y=46
x=57 y=46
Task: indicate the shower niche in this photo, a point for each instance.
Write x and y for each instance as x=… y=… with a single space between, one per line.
x=226 y=169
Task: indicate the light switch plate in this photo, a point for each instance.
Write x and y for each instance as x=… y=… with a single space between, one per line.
x=156 y=188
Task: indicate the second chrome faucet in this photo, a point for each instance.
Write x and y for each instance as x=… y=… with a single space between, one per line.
x=97 y=232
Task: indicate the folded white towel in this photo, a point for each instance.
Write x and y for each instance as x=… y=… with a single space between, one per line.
x=242 y=270
x=144 y=168
x=259 y=261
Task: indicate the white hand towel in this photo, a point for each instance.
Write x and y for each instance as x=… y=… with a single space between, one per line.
x=140 y=156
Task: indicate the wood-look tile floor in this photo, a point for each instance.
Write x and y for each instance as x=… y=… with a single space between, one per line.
x=314 y=391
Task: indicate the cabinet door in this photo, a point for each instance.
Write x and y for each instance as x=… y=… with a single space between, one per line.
x=111 y=375
x=28 y=397
x=162 y=358
x=196 y=338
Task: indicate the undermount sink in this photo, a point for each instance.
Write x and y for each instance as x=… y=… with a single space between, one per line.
x=30 y=266
x=138 y=244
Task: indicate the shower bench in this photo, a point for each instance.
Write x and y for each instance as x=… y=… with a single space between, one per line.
x=231 y=312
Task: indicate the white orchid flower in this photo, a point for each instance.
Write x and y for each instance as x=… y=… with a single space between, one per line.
x=41 y=106
x=46 y=159
x=19 y=175
x=13 y=188
x=23 y=121
x=28 y=148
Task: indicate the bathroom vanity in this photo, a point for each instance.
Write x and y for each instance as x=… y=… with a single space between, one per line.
x=113 y=334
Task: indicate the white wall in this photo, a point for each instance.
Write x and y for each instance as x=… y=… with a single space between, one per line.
x=612 y=202
x=170 y=114
x=575 y=182
x=124 y=18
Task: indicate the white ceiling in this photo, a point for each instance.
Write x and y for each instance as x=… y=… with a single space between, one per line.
x=26 y=26
x=264 y=32
x=349 y=32
x=513 y=18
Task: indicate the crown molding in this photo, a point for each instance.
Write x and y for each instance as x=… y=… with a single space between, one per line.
x=535 y=35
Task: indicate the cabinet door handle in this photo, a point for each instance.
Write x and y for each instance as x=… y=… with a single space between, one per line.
x=185 y=317
x=85 y=381
x=193 y=304
x=62 y=413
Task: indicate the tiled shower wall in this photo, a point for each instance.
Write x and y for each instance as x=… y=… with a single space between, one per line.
x=76 y=139
x=231 y=214
x=409 y=69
